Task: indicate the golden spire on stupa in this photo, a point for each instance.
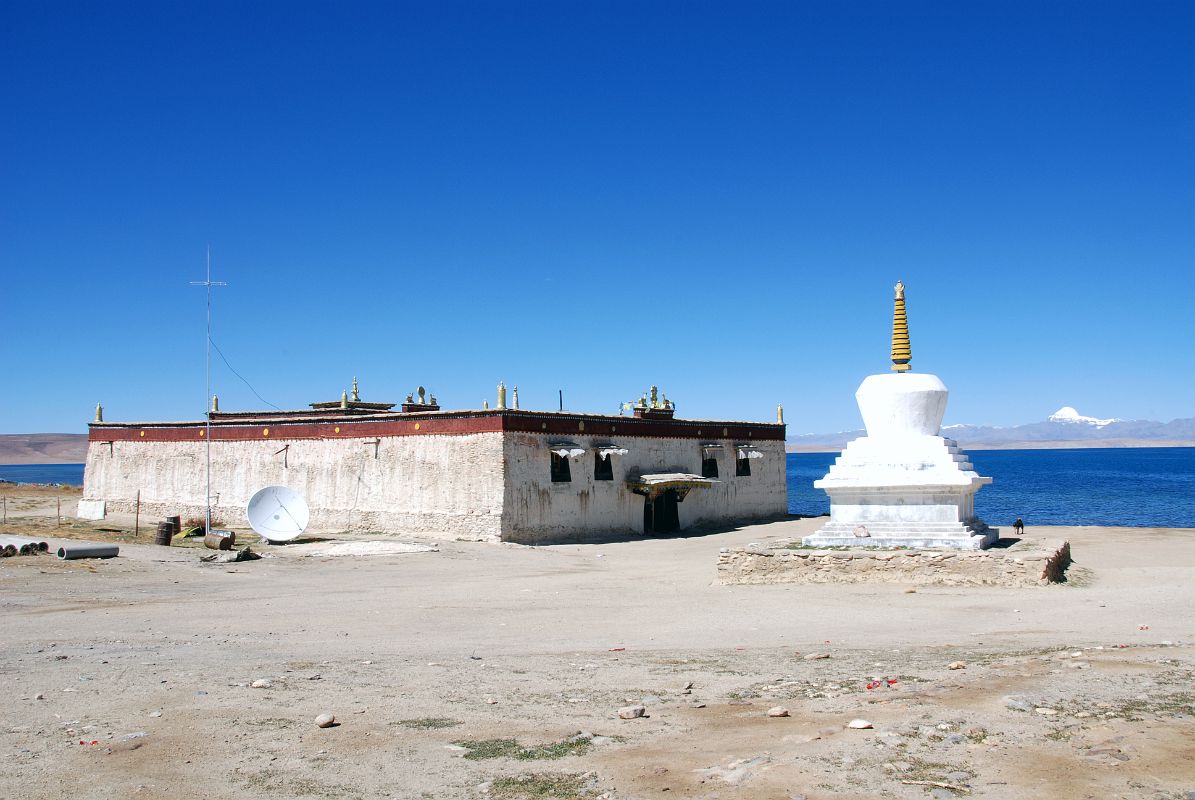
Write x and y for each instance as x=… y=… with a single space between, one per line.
x=902 y=353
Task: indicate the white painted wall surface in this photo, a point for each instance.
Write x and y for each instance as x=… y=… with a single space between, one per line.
x=538 y=511
x=435 y=486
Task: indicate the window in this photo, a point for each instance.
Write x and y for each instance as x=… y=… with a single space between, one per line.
x=603 y=468
x=560 y=469
x=709 y=463
x=742 y=464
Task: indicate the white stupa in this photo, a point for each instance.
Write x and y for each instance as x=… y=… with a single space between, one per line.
x=902 y=485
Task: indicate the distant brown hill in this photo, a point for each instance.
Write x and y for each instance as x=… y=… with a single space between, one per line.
x=43 y=448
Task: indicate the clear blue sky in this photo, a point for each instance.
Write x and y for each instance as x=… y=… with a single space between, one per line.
x=716 y=198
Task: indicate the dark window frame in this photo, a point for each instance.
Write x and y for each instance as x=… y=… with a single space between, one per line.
x=560 y=470
x=709 y=463
x=742 y=466
x=603 y=468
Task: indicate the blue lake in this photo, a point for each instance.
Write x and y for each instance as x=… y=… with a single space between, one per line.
x=1137 y=487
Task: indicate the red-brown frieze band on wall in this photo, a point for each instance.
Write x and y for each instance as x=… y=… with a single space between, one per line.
x=432 y=424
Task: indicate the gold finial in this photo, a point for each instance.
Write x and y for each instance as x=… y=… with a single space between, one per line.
x=515 y=397
x=356 y=392
x=902 y=352
x=485 y=404
x=655 y=397
x=779 y=414
x=215 y=403
x=422 y=393
x=501 y=395
x=344 y=399
x=99 y=413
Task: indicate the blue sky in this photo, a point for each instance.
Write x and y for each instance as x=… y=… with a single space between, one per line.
x=594 y=197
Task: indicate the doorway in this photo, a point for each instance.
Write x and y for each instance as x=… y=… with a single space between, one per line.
x=663 y=514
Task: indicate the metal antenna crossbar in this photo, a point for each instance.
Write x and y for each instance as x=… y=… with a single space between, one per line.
x=207 y=435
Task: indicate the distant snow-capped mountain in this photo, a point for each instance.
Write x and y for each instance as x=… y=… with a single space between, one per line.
x=1070 y=416
x=1065 y=427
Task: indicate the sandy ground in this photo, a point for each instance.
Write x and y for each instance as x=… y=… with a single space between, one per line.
x=132 y=676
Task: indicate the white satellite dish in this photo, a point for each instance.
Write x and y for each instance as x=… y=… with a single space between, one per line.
x=278 y=513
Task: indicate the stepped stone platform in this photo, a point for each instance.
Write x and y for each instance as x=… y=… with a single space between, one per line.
x=1023 y=564
x=973 y=535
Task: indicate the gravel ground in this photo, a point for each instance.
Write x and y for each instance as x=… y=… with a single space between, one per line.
x=469 y=671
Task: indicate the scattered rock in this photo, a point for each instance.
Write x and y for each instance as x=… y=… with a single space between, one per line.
x=492 y=701
x=859 y=724
x=816 y=656
x=696 y=705
x=261 y=683
x=325 y=721
x=1046 y=712
x=1017 y=704
x=631 y=712
x=957 y=665
x=910 y=591
x=39 y=696
x=777 y=711
x=155 y=713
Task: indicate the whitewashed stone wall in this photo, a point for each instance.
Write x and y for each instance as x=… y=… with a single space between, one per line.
x=483 y=486
x=537 y=510
x=437 y=486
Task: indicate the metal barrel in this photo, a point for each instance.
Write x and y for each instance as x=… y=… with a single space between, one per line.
x=88 y=551
x=164 y=534
x=219 y=540
x=176 y=523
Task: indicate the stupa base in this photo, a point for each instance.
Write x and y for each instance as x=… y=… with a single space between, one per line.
x=972 y=535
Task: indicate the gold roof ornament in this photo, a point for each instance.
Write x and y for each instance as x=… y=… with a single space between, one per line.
x=902 y=352
x=99 y=413
x=344 y=399
x=501 y=395
x=356 y=397
x=779 y=414
x=215 y=403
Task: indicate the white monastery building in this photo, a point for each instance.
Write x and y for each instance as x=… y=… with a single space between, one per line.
x=500 y=474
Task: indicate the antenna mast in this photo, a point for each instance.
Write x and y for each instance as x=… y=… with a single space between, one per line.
x=207 y=371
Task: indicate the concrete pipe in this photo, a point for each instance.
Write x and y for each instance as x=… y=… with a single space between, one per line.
x=20 y=542
x=88 y=551
x=7 y=551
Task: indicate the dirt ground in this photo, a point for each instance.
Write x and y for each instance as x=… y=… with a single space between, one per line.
x=467 y=672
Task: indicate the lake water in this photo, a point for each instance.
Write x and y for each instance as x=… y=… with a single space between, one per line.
x=1138 y=487
x=70 y=474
